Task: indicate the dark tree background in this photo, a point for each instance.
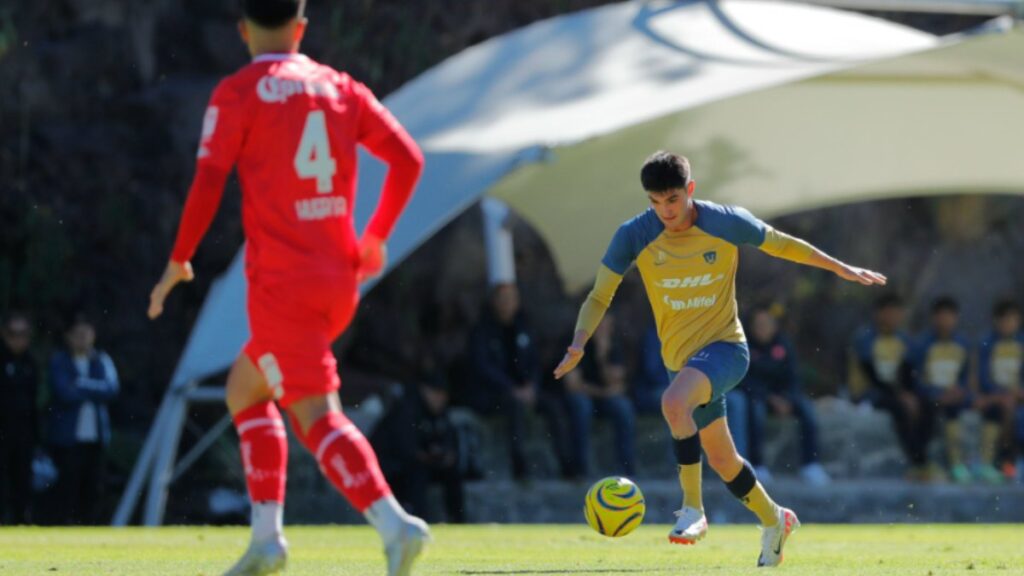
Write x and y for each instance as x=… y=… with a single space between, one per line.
x=100 y=106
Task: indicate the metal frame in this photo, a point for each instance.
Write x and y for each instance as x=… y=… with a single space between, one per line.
x=156 y=461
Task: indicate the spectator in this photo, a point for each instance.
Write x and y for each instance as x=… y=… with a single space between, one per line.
x=1001 y=391
x=82 y=382
x=19 y=388
x=941 y=365
x=598 y=388
x=506 y=375
x=418 y=444
x=651 y=379
x=883 y=354
x=772 y=387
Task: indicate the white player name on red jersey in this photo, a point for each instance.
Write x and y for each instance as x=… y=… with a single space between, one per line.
x=274 y=90
x=321 y=208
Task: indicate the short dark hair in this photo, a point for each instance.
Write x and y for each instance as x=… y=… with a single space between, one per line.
x=1005 y=308
x=664 y=171
x=271 y=14
x=888 y=300
x=945 y=304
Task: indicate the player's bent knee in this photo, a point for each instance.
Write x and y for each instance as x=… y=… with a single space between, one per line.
x=674 y=405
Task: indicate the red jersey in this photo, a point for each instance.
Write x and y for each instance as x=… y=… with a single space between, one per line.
x=291 y=125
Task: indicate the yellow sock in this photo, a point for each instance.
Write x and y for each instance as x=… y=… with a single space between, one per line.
x=953 y=449
x=760 y=503
x=990 y=433
x=689 y=480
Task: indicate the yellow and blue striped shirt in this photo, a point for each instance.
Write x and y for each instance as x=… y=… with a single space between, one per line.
x=689 y=276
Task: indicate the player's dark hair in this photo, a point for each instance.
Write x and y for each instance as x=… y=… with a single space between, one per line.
x=664 y=171
x=888 y=300
x=271 y=14
x=1004 y=308
x=945 y=304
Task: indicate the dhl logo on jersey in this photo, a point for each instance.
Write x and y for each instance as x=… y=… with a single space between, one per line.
x=690 y=281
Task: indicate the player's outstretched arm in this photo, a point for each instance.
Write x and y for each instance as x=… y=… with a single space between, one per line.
x=591 y=313
x=203 y=200
x=782 y=245
x=174 y=273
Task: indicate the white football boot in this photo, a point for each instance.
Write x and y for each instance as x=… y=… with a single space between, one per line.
x=403 y=550
x=262 y=558
x=773 y=538
x=691 y=526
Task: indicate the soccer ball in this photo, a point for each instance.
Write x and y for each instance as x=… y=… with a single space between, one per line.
x=614 y=506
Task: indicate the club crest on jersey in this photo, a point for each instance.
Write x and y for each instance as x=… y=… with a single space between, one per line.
x=710 y=256
x=661 y=258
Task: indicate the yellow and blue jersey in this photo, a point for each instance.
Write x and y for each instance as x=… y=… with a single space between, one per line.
x=885 y=359
x=1001 y=363
x=689 y=276
x=942 y=363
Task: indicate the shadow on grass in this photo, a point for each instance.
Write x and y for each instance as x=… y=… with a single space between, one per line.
x=570 y=571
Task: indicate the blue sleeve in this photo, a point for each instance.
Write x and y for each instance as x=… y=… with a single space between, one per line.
x=105 y=388
x=733 y=224
x=62 y=383
x=620 y=253
x=918 y=356
x=632 y=237
x=70 y=388
x=965 y=369
x=862 y=346
x=984 y=366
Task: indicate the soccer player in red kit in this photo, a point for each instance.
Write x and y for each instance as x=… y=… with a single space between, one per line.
x=290 y=126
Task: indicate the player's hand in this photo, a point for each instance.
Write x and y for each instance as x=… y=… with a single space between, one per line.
x=861 y=275
x=572 y=357
x=174 y=273
x=373 y=256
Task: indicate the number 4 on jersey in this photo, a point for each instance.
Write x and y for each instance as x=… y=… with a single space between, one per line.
x=313 y=158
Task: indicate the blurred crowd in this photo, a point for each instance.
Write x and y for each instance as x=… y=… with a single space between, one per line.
x=55 y=426
x=930 y=381
x=53 y=439
x=926 y=382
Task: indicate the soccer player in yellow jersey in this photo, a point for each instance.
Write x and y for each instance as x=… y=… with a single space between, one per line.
x=687 y=251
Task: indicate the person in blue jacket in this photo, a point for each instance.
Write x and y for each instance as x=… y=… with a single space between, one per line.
x=1000 y=398
x=774 y=388
x=941 y=363
x=82 y=382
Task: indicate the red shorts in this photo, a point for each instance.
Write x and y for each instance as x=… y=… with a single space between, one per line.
x=292 y=326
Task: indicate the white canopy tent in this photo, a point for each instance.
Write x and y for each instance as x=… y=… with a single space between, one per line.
x=554 y=115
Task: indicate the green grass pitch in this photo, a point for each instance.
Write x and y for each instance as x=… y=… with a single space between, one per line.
x=903 y=550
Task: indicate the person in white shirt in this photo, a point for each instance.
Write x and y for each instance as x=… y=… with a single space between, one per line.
x=82 y=381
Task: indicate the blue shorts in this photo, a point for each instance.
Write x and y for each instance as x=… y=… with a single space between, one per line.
x=725 y=364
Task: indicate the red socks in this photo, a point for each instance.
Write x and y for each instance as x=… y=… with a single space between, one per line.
x=347 y=460
x=264 y=451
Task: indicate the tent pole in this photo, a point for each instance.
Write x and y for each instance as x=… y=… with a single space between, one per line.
x=501 y=262
x=130 y=497
x=160 y=476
